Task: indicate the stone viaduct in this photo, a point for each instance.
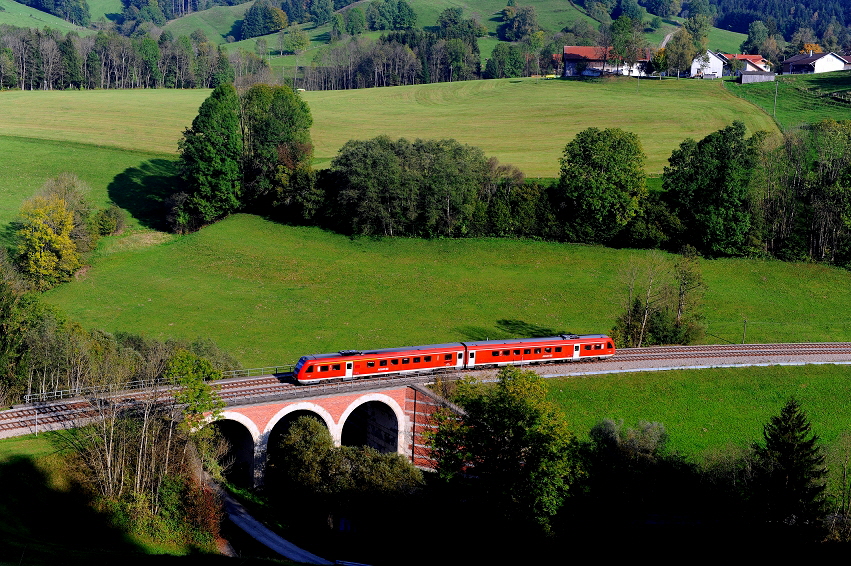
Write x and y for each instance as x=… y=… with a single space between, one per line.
x=389 y=419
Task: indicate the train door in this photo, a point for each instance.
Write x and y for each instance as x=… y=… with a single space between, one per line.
x=471 y=358
x=459 y=360
x=576 y=351
x=349 y=366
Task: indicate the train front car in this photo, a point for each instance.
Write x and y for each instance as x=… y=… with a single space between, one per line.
x=520 y=351
x=351 y=364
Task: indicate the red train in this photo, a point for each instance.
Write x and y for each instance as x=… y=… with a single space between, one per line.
x=350 y=364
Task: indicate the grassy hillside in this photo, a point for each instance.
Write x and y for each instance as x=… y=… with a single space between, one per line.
x=271 y=293
x=525 y=122
x=18 y=15
x=217 y=23
x=107 y=9
x=801 y=98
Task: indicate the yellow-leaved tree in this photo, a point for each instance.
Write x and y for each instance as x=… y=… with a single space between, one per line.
x=46 y=254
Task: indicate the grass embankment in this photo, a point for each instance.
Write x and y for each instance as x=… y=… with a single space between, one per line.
x=801 y=99
x=271 y=293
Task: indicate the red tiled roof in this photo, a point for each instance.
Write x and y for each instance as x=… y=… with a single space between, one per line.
x=582 y=52
x=751 y=58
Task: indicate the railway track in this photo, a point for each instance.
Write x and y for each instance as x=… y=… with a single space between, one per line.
x=246 y=390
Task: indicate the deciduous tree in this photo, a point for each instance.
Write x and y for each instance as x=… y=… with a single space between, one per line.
x=46 y=254
x=510 y=447
x=602 y=183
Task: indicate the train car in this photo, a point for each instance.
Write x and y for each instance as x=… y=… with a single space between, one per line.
x=350 y=364
x=565 y=347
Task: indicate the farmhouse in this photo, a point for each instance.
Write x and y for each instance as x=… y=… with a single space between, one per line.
x=710 y=65
x=594 y=61
x=752 y=62
x=814 y=63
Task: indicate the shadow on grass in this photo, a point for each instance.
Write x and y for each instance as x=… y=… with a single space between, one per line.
x=43 y=525
x=143 y=190
x=506 y=329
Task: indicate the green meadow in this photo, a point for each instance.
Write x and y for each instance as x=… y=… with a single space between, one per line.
x=705 y=411
x=271 y=293
x=800 y=98
x=525 y=122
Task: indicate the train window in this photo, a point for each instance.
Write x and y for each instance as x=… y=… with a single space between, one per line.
x=427 y=358
x=394 y=362
x=370 y=364
x=447 y=357
x=587 y=346
x=472 y=355
x=460 y=356
x=506 y=352
x=537 y=350
x=516 y=352
x=309 y=369
x=527 y=351
x=335 y=367
x=323 y=368
x=382 y=363
x=495 y=353
x=416 y=360
x=548 y=350
x=558 y=348
x=609 y=345
x=406 y=360
x=576 y=348
x=598 y=346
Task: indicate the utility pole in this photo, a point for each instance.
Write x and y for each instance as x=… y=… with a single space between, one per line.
x=775 y=97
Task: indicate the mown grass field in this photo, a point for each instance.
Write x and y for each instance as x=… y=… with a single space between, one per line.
x=525 y=122
x=800 y=98
x=270 y=293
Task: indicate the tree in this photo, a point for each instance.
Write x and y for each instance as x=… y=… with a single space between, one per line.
x=510 y=448
x=263 y=18
x=709 y=189
x=602 y=183
x=791 y=486
x=277 y=148
x=506 y=61
x=757 y=34
x=355 y=21
x=680 y=51
x=200 y=401
x=46 y=254
x=210 y=159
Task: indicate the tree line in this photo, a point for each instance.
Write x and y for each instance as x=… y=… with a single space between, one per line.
x=32 y=59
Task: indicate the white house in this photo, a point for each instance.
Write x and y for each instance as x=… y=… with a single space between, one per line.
x=710 y=65
x=814 y=63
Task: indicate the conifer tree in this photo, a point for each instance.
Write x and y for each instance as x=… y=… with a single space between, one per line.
x=791 y=466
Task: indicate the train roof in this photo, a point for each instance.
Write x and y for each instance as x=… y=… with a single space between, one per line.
x=350 y=353
x=452 y=346
x=559 y=338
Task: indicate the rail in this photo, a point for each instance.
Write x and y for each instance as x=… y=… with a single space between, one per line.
x=254 y=372
x=70 y=392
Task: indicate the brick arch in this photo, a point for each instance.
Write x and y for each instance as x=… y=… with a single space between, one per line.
x=320 y=411
x=241 y=419
x=381 y=398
